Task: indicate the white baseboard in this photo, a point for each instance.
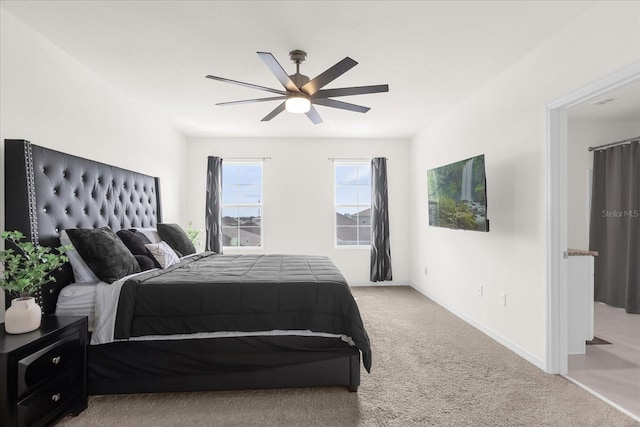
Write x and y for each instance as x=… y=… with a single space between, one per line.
x=495 y=336
x=392 y=283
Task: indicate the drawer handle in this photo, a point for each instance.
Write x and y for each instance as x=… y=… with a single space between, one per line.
x=56 y=360
x=55 y=397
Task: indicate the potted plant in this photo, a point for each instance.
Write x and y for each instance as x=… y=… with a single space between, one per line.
x=193 y=234
x=23 y=272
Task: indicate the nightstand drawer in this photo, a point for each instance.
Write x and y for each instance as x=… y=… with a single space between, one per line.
x=43 y=372
x=52 y=397
x=49 y=362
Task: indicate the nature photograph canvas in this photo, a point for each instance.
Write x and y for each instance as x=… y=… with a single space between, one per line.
x=457 y=195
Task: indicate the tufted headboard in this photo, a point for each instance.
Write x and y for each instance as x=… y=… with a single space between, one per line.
x=47 y=191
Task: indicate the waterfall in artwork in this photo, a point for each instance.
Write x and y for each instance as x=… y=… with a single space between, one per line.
x=467 y=181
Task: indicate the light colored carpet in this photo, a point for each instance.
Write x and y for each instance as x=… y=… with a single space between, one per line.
x=429 y=369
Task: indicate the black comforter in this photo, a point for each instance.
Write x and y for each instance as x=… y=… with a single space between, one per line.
x=211 y=293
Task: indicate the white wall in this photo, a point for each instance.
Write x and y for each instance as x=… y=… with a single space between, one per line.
x=298 y=212
x=506 y=120
x=582 y=134
x=52 y=100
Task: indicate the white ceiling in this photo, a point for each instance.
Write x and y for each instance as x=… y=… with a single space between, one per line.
x=432 y=54
x=620 y=104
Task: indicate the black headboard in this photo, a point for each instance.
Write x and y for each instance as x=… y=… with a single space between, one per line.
x=47 y=191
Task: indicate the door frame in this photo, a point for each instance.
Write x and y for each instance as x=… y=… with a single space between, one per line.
x=556 y=361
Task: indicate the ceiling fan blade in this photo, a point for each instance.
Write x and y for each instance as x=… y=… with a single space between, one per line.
x=342 y=105
x=328 y=76
x=278 y=71
x=279 y=109
x=235 y=82
x=248 y=101
x=346 y=91
x=314 y=116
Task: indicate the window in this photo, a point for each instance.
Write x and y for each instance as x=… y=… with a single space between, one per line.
x=353 y=204
x=242 y=204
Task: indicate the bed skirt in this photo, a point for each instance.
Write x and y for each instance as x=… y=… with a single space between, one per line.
x=222 y=364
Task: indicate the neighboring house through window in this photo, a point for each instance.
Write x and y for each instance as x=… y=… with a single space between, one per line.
x=242 y=204
x=352 y=203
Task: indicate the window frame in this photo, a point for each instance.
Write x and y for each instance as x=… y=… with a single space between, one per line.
x=336 y=205
x=260 y=206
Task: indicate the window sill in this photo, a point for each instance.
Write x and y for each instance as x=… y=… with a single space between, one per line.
x=352 y=247
x=242 y=248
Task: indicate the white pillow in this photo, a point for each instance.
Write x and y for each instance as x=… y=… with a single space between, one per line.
x=163 y=253
x=81 y=270
x=149 y=233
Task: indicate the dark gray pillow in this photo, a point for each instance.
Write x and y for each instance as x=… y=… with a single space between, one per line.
x=177 y=238
x=135 y=243
x=146 y=262
x=104 y=253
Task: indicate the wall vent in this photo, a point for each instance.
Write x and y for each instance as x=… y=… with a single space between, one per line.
x=602 y=101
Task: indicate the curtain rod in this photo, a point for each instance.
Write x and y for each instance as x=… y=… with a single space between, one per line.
x=611 y=144
x=246 y=158
x=351 y=159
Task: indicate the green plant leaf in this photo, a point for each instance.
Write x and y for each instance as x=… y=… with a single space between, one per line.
x=25 y=271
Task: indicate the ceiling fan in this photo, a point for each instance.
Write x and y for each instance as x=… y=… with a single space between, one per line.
x=301 y=93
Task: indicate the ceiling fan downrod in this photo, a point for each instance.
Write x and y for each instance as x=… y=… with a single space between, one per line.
x=298 y=56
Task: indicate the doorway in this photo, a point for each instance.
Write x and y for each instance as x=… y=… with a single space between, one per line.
x=557 y=191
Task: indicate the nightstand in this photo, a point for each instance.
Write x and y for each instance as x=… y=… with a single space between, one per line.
x=43 y=373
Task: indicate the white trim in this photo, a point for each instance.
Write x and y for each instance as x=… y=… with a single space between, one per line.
x=601 y=397
x=539 y=363
x=556 y=355
x=557 y=323
x=230 y=249
x=613 y=81
x=589 y=185
x=385 y=283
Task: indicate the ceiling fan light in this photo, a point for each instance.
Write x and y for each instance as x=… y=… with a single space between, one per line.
x=297 y=103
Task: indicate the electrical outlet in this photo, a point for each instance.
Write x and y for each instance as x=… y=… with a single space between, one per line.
x=503 y=299
x=480 y=290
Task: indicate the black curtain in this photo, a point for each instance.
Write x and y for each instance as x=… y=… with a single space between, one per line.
x=615 y=225
x=380 y=248
x=213 y=205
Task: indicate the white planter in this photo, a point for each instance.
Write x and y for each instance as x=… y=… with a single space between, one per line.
x=24 y=315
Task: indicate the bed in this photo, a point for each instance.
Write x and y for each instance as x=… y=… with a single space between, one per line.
x=259 y=321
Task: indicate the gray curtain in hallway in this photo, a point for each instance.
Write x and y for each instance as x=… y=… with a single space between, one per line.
x=615 y=225
x=213 y=205
x=380 y=248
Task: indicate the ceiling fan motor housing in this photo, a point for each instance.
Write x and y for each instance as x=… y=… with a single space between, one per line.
x=299 y=79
